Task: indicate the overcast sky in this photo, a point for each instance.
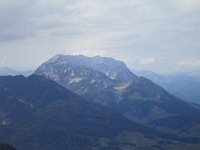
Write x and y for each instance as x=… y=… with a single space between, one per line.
x=158 y=35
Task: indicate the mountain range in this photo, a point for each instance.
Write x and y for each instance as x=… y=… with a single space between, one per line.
x=185 y=85
x=109 y=82
x=37 y=113
x=98 y=104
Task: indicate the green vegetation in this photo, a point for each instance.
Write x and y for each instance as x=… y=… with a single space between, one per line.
x=137 y=141
x=5 y=146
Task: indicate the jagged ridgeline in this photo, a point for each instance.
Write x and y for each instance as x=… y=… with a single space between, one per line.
x=109 y=82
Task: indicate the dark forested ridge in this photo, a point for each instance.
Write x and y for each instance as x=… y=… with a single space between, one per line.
x=37 y=113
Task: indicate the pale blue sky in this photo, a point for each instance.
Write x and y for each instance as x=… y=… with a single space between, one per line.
x=158 y=35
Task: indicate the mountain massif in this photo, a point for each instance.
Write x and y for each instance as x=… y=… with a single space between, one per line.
x=109 y=82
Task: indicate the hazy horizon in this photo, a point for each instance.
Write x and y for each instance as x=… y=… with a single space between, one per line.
x=135 y=71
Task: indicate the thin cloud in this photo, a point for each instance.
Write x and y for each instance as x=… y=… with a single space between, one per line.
x=4 y=60
x=189 y=63
x=185 y=6
x=147 y=61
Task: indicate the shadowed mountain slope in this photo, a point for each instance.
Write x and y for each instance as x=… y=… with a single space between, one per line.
x=37 y=113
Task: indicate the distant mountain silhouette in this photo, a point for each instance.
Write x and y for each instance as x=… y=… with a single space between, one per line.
x=184 y=85
x=4 y=71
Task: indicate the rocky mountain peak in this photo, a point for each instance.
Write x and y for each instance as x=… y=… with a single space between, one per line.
x=112 y=68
